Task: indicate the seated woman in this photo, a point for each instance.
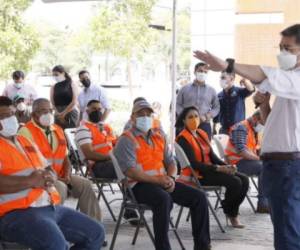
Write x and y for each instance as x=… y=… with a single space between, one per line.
x=211 y=170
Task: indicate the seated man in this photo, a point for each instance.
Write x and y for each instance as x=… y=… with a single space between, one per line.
x=95 y=140
x=51 y=141
x=145 y=158
x=242 y=151
x=29 y=210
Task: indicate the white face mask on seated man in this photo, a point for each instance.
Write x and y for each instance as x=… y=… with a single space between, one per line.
x=10 y=126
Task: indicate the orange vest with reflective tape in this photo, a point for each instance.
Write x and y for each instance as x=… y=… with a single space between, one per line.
x=201 y=150
x=55 y=159
x=15 y=163
x=231 y=154
x=103 y=141
x=149 y=157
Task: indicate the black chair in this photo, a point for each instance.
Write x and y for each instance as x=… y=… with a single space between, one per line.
x=184 y=162
x=82 y=166
x=130 y=202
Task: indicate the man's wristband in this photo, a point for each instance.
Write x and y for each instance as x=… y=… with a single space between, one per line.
x=230 y=67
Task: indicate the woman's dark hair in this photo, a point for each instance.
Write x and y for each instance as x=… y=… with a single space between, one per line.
x=61 y=69
x=179 y=122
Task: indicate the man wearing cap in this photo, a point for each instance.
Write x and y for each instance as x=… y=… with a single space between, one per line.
x=23 y=111
x=147 y=161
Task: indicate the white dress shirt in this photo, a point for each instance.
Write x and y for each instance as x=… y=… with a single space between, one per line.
x=282 y=128
x=94 y=92
x=27 y=91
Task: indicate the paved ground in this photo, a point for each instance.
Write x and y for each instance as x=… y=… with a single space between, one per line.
x=256 y=236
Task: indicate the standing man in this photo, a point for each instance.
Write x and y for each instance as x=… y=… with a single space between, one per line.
x=91 y=92
x=200 y=95
x=232 y=102
x=147 y=161
x=19 y=87
x=280 y=149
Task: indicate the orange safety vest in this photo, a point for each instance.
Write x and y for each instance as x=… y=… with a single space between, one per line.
x=55 y=159
x=15 y=163
x=149 y=157
x=201 y=149
x=103 y=141
x=231 y=154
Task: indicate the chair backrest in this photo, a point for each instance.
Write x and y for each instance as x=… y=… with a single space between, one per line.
x=119 y=173
x=221 y=141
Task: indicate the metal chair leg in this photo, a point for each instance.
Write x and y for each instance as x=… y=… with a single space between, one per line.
x=251 y=203
x=137 y=230
x=111 y=188
x=117 y=228
x=188 y=216
x=105 y=201
x=176 y=235
x=218 y=195
x=254 y=183
x=179 y=217
x=148 y=228
x=215 y=216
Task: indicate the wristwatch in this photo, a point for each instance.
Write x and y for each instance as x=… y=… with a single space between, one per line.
x=230 y=67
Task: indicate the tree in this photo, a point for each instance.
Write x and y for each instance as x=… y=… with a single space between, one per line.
x=121 y=28
x=18 y=40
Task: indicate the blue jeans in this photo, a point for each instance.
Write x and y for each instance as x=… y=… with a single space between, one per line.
x=249 y=168
x=281 y=184
x=49 y=228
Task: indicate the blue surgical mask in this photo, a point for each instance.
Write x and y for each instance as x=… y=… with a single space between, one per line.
x=144 y=123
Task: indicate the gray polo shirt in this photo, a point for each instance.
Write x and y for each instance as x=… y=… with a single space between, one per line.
x=204 y=97
x=125 y=150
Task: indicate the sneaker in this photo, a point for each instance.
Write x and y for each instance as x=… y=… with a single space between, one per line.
x=132 y=217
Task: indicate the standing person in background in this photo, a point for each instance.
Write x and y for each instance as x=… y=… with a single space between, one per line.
x=20 y=88
x=200 y=95
x=232 y=102
x=280 y=149
x=63 y=96
x=90 y=92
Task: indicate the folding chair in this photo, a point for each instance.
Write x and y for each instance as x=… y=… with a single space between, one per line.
x=83 y=167
x=184 y=162
x=221 y=141
x=130 y=202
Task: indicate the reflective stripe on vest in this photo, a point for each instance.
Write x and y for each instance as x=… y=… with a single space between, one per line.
x=201 y=150
x=56 y=158
x=149 y=158
x=231 y=153
x=16 y=163
x=102 y=141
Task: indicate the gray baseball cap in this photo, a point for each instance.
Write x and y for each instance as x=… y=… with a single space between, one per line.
x=141 y=105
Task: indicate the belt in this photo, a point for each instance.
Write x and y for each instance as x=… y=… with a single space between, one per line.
x=280 y=156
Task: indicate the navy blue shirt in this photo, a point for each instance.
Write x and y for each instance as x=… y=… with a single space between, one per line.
x=232 y=106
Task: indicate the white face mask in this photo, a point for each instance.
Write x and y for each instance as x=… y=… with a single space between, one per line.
x=144 y=123
x=21 y=106
x=286 y=60
x=59 y=78
x=10 y=126
x=46 y=120
x=201 y=77
x=223 y=84
x=18 y=85
x=259 y=128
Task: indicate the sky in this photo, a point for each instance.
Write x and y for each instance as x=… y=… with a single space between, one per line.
x=77 y=14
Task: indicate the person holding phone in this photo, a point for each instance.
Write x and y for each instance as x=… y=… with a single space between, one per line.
x=210 y=169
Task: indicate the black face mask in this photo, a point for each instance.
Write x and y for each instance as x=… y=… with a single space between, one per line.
x=95 y=116
x=86 y=83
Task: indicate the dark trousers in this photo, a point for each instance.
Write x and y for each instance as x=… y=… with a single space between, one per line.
x=104 y=169
x=236 y=189
x=281 y=185
x=207 y=128
x=161 y=203
x=251 y=167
